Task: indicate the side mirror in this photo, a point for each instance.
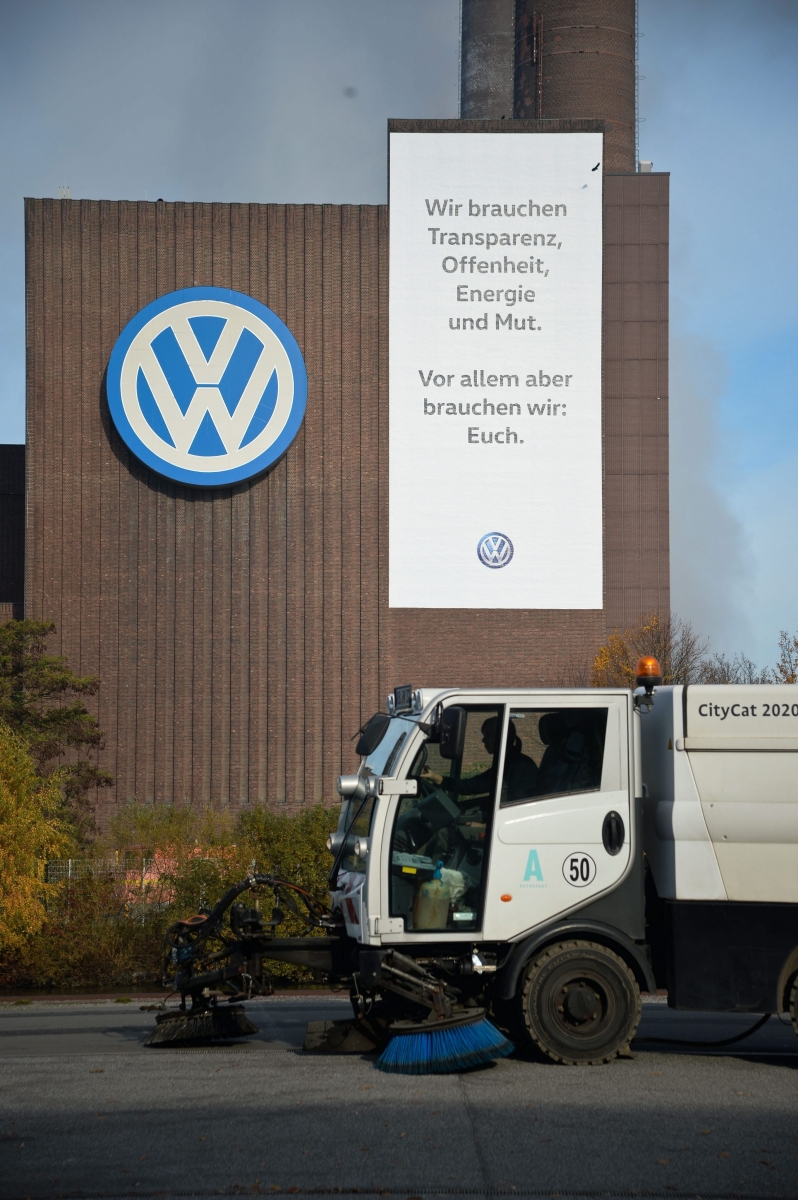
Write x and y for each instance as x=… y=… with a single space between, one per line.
x=371 y=734
x=452 y=732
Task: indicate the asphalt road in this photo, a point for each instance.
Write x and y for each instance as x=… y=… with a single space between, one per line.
x=86 y=1111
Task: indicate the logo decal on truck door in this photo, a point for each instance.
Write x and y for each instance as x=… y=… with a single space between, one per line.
x=533 y=869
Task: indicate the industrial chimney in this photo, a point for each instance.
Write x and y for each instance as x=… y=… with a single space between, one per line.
x=570 y=59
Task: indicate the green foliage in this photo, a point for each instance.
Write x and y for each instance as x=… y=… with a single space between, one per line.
x=41 y=699
x=92 y=937
x=31 y=831
x=106 y=928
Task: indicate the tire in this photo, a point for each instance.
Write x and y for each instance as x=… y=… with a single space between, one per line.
x=794 y=1004
x=580 y=1003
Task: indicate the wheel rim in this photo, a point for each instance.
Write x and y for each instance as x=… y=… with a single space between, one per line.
x=581 y=1009
x=579 y=1005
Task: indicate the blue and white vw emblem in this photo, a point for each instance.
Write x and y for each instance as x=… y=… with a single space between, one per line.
x=207 y=386
x=495 y=550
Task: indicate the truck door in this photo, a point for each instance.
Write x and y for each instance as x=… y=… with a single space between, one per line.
x=440 y=838
x=561 y=834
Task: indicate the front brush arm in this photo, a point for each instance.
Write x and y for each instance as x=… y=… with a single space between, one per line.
x=317 y=914
x=186 y=956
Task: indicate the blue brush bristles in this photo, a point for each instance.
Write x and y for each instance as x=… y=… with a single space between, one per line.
x=441 y=1051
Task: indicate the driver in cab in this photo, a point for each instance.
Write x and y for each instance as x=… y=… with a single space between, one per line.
x=520 y=771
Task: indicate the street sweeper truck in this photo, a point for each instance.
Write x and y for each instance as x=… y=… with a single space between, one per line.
x=517 y=866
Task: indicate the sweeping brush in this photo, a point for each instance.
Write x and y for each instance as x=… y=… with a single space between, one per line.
x=207 y=1025
x=456 y=1043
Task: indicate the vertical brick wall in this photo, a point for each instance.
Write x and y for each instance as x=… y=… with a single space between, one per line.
x=636 y=533
x=241 y=635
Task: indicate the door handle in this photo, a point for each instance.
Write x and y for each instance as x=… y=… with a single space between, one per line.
x=613 y=832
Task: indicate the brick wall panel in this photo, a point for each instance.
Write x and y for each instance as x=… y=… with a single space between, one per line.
x=277 y=682
x=240 y=558
x=109 y=467
x=353 y=561
x=183 y=717
x=295 y=518
x=36 y=366
x=258 y=630
x=71 y=360
x=163 y=496
x=312 y=785
x=222 y=565
x=202 y=624
x=147 y=578
x=370 y=700
x=335 y=463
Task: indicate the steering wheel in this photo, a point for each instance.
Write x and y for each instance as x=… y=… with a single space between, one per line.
x=425 y=786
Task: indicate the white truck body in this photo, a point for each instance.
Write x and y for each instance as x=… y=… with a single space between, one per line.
x=677 y=849
x=720 y=769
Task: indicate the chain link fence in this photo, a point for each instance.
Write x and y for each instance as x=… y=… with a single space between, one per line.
x=58 y=869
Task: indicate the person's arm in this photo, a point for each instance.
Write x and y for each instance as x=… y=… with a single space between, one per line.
x=477 y=785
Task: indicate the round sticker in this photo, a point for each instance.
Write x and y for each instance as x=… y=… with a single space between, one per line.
x=579 y=869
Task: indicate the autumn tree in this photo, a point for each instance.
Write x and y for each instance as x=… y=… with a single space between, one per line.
x=674 y=642
x=786 y=669
x=32 y=829
x=41 y=699
x=719 y=668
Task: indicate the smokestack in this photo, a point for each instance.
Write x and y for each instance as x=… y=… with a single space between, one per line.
x=487 y=33
x=576 y=58
x=545 y=59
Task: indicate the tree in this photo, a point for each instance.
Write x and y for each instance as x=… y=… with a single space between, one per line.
x=786 y=669
x=32 y=830
x=41 y=700
x=740 y=669
x=674 y=642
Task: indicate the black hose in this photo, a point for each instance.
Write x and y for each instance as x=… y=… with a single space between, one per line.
x=219 y=909
x=723 y=1041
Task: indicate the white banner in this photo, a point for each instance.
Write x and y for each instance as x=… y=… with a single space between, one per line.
x=495 y=370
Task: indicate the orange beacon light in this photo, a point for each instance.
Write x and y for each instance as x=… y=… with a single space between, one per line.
x=648 y=674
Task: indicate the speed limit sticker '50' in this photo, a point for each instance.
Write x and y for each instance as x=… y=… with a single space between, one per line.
x=579 y=869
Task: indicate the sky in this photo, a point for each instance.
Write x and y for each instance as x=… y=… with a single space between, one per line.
x=287 y=101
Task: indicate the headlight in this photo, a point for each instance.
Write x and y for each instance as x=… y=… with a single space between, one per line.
x=361 y=847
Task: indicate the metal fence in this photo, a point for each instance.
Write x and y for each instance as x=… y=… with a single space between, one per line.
x=58 y=869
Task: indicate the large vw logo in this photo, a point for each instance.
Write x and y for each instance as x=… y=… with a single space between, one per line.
x=207 y=386
x=495 y=550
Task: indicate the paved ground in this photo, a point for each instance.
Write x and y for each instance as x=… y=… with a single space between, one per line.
x=86 y=1111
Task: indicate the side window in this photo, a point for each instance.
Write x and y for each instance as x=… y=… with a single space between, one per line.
x=439 y=837
x=551 y=752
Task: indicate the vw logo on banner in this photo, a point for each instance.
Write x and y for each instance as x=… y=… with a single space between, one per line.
x=207 y=386
x=495 y=550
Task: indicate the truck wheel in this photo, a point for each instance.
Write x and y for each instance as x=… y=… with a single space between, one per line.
x=580 y=1003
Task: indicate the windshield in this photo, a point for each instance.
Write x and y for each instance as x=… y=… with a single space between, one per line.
x=382 y=760
x=355 y=815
